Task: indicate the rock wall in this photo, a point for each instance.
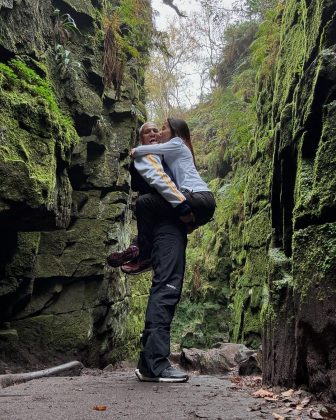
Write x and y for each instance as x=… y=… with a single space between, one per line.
x=299 y=339
x=282 y=242
x=267 y=263
x=64 y=193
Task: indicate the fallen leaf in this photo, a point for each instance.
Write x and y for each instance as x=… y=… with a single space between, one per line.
x=314 y=414
x=236 y=379
x=278 y=417
x=255 y=378
x=292 y=404
x=274 y=398
x=100 y=407
x=262 y=393
x=287 y=410
x=305 y=401
x=288 y=393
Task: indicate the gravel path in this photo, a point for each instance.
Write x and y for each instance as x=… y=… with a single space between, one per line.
x=62 y=398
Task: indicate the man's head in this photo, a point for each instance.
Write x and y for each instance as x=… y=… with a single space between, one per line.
x=149 y=133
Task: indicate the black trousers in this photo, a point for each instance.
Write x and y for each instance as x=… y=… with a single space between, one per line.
x=203 y=205
x=168 y=259
x=153 y=208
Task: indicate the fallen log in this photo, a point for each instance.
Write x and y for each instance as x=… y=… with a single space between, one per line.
x=18 y=378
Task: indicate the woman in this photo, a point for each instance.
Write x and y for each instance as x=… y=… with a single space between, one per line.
x=178 y=154
x=198 y=208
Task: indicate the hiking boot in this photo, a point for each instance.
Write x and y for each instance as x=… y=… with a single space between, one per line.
x=116 y=259
x=170 y=374
x=137 y=266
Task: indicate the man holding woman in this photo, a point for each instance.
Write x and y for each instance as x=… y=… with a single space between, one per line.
x=163 y=222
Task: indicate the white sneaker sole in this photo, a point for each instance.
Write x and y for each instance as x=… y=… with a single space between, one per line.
x=143 y=378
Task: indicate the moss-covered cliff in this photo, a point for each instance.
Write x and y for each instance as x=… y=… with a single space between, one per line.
x=299 y=336
x=68 y=118
x=270 y=252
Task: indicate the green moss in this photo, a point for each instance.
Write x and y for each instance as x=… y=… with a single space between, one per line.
x=258 y=186
x=258 y=229
x=18 y=75
x=314 y=267
x=33 y=128
x=60 y=333
x=138 y=288
x=23 y=261
x=200 y=324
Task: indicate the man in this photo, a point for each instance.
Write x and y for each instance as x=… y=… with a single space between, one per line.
x=159 y=199
x=168 y=239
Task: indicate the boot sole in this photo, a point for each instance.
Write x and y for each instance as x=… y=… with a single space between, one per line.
x=143 y=378
x=133 y=273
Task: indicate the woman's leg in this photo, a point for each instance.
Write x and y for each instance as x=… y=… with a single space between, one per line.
x=203 y=206
x=116 y=259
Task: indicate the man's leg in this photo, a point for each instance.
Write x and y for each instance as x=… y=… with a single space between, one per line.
x=168 y=257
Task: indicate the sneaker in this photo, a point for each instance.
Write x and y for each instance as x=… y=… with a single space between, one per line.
x=170 y=374
x=136 y=266
x=116 y=259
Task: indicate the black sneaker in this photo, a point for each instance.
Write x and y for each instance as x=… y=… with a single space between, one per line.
x=170 y=374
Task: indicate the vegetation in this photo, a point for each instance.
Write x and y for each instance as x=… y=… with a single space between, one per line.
x=218 y=289
x=64 y=27
x=128 y=36
x=17 y=77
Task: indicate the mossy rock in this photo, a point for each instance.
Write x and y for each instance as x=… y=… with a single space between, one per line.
x=23 y=261
x=255 y=268
x=61 y=333
x=258 y=229
x=36 y=140
x=82 y=6
x=59 y=296
x=257 y=191
x=200 y=324
x=314 y=267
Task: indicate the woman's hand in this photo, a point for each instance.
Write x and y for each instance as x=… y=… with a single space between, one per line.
x=131 y=153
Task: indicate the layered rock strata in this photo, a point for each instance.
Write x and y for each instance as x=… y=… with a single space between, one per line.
x=64 y=193
x=299 y=339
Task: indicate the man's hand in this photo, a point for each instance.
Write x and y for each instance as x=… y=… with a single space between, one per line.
x=188 y=218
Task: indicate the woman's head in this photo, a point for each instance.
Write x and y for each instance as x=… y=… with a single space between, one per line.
x=175 y=127
x=179 y=128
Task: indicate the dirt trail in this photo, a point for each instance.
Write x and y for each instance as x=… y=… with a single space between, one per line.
x=125 y=398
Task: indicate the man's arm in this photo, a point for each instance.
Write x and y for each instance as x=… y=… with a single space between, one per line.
x=150 y=168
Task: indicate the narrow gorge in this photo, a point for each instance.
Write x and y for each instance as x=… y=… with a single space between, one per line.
x=262 y=273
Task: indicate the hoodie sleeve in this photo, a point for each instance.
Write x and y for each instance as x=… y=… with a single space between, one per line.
x=150 y=168
x=171 y=146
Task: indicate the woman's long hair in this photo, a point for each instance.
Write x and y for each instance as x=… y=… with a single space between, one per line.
x=179 y=128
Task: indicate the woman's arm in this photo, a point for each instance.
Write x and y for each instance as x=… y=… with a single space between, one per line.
x=158 y=149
